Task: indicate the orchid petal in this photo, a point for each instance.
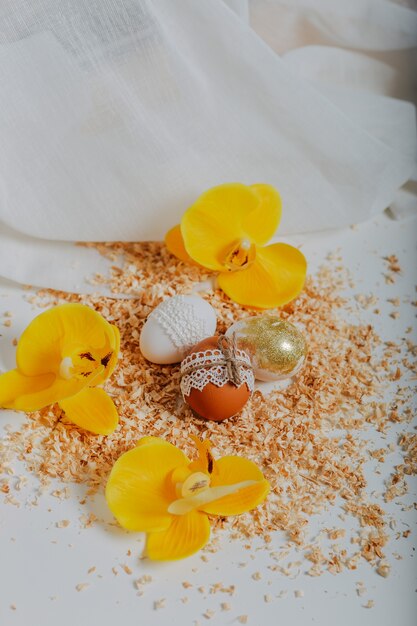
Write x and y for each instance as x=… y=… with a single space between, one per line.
x=139 y=491
x=205 y=461
x=14 y=385
x=186 y=535
x=233 y=470
x=276 y=277
x=215 y=222
x=262 y=223
x=175 y=244
x=30 y=393
x=93 y=410
x=114 y=349
x=56 y=333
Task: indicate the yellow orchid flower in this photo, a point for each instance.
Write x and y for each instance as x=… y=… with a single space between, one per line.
x=226 y=230
x=155 y=489
x=62 y=356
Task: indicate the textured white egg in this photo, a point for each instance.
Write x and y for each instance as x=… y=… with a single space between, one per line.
x=174 y=327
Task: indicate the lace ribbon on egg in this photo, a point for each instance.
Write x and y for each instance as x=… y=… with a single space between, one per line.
x=210 y=366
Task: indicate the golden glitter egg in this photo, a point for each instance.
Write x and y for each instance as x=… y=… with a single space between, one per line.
x=277 y=349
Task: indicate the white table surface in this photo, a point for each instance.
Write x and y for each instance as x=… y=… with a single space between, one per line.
x=42 y=564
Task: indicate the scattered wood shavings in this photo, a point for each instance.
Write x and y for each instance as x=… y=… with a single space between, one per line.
x=145 y=579
x=306 y=438
x=360 y=588
x=394 y=301
x=369 y=605
x=383 y=569
x=140 y=582
x=64 y=523
x=159 y=604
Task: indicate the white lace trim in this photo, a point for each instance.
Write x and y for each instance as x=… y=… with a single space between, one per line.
x=178 y=319
x=213 y=356
x=200 y=368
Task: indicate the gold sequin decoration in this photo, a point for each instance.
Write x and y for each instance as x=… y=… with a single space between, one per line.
x=275 y=345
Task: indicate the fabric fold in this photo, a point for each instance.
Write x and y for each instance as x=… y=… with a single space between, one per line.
x=116 y=117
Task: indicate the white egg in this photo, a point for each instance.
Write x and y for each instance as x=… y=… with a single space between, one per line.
x=174 y=327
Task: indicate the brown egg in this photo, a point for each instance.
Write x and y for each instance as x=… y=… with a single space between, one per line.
x=221 y=398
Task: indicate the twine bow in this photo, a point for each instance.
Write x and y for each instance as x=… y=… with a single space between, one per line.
x=228 y=347
x=231 y=360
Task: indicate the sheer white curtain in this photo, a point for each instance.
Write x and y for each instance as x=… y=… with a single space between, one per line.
x=115 y=115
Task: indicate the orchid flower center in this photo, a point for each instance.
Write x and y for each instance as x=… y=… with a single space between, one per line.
x=196 y=483
x=82 y=364
x=196 y=492
x=241 y=255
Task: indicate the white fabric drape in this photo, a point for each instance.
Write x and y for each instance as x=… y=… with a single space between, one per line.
x=115 y=115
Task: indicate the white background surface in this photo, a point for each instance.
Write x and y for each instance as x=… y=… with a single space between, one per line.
x=42 y=564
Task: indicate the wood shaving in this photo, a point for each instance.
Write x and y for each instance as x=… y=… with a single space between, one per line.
x=186 y=584
x=384 y=569
x=159 y=604
x=360 y=588
x=63 y=523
